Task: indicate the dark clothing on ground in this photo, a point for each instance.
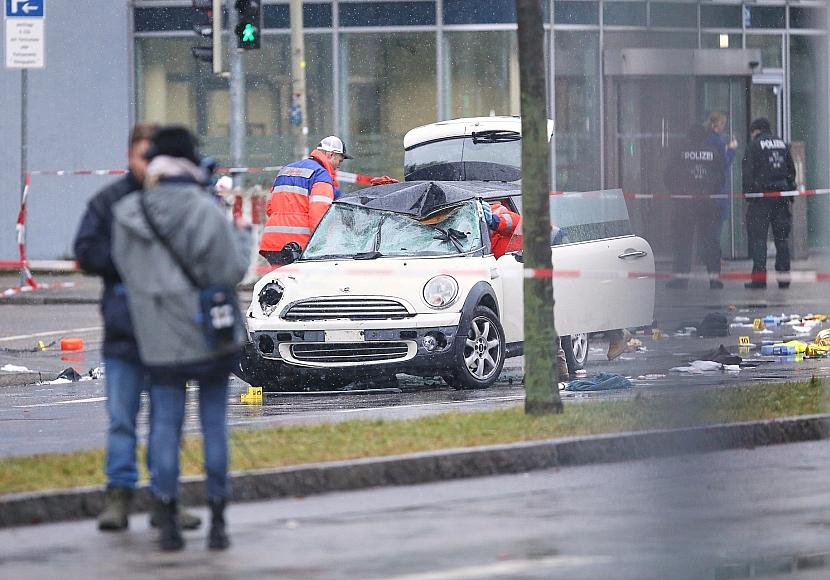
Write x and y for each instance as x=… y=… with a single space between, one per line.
x=695 y=168
x=768 y=166
x=93 y=252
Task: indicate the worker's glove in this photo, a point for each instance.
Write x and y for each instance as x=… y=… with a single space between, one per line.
x=490 y=218
x=383 y=180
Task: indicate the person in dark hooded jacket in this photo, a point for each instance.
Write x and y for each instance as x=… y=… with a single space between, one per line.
x=171 y=242
x=125 y=373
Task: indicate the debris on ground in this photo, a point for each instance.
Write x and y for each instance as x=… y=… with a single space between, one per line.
x=97 y=372
x=698 y=367
x=600 y=382
x=72 y=344
x=14 y=369
x=714 y=324
x=70 y=374
x=722 y=356
x=651 y=377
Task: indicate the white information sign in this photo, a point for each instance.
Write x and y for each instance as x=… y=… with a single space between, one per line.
x=25 y=34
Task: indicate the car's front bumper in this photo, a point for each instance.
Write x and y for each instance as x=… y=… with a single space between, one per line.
x=401 y=349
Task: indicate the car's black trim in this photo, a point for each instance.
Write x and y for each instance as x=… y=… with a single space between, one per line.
x=512 y=349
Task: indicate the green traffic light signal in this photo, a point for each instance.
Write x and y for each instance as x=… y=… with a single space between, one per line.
x=249 y=33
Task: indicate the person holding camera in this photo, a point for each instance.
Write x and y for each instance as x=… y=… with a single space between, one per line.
x=181 y=259
x=301 y=195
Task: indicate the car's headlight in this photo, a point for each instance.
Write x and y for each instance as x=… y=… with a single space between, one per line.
x=441 y=291
x=270 y=296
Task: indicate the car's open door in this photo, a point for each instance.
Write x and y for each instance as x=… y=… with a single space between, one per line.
x=603 y=274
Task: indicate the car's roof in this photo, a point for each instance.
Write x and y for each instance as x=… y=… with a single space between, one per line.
x=423 y=198
x=463 y=126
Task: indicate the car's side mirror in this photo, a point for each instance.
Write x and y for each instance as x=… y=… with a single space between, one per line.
x=519 y=256
x=290 y=253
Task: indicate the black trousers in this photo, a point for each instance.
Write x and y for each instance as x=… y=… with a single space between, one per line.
x=760 y=215
x=703 y=216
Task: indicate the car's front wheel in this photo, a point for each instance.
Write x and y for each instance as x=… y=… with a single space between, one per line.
x=480 y=351
x=576 y=351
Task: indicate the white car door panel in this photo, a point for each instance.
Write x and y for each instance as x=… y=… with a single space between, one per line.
x=598 y=287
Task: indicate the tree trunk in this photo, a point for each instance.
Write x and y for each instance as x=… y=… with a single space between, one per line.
x=540 y=340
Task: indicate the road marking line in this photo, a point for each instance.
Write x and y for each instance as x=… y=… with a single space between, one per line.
x=503 y=568
x=50 y=333
x=73 y=402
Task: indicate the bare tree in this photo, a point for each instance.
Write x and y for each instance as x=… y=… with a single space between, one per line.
x=540 y=340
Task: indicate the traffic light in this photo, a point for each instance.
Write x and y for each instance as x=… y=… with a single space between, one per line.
x=249 y=25
x=205 y=25
x=203 y=17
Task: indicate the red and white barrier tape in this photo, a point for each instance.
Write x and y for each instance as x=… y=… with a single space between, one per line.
x=24 y=289
x=256 y=213
x=797 y=276
x=347 y=177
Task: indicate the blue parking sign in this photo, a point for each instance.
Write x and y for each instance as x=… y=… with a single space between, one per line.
x=30 y=8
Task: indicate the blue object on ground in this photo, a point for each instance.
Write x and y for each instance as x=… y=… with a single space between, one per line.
x=601 y=382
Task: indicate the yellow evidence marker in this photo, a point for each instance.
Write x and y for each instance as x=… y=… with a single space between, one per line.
x=758 y=324
x=252 y=397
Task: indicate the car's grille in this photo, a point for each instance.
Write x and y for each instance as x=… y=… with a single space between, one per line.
x=350 y=352
x=352 y=307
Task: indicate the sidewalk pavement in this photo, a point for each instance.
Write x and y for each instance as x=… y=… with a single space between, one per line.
x=441 y=465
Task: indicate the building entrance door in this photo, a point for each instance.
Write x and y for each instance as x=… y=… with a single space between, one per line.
x=652 y=115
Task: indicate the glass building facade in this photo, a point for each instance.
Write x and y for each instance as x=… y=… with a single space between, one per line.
x=376 y=69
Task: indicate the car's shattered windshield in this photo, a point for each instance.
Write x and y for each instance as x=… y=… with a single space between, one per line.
x=349 y=231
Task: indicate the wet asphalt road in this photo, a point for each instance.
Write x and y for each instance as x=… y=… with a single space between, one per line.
x=733 y=514
x=64 y=417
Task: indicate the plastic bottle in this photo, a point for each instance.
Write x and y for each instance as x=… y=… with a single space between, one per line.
x=783 y=350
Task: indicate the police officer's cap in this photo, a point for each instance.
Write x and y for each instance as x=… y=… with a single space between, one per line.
x=760 y=124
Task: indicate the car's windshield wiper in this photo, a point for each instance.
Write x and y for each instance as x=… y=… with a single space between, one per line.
x=327 y=257
x=495 y=136
x=368 y=255
x=449 y=235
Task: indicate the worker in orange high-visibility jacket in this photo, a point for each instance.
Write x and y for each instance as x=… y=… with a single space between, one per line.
x=504 y=228
x=301 y=195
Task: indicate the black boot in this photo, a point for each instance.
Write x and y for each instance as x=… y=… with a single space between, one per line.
x=170 y=537
x=218 y=537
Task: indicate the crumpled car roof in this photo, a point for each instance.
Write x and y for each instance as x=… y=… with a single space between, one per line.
x=420 y=199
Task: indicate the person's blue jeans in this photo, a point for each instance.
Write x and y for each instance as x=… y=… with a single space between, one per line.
x=168 y=401
x=125 y=381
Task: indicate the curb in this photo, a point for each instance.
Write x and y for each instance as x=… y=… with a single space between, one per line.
x=19 y=379
x=416 y=468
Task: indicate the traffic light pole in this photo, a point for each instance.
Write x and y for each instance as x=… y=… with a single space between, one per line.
x=298 y=88
x=237 y=89
x=217 y=37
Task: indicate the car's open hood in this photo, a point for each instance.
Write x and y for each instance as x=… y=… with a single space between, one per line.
x=420 y=199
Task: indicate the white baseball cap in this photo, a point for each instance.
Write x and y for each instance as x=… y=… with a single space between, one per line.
x=334 y=145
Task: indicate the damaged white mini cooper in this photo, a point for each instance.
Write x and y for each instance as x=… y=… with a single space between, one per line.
x=401 y=278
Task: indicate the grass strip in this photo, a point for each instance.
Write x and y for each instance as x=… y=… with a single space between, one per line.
x=296 y=445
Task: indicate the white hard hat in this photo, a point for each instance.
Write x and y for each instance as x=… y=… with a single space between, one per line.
x=334 y=145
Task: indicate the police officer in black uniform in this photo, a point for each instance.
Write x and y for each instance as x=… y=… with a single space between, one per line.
x=767 y=166
x=695 y=168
